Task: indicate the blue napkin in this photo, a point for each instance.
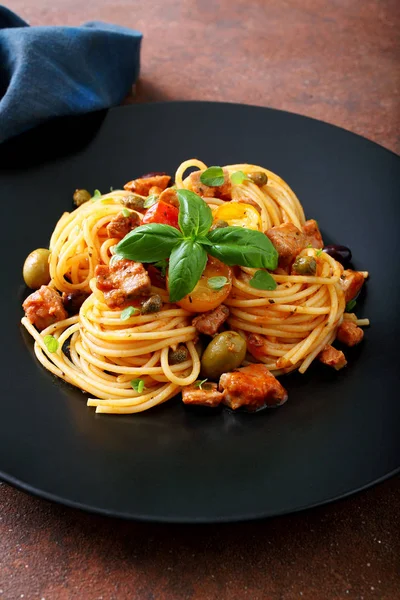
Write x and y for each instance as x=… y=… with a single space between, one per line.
x=48 y=72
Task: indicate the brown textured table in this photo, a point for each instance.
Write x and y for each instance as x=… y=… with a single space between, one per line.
x=338 y=61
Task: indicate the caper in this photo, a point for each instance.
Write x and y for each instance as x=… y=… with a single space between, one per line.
x=219 y=224
x=180 y=355
x=224 y=353
x=305 y=265
x=133 y=201
x=259 y=178
x=152 y=305
x=36 y=268
x=81 y=196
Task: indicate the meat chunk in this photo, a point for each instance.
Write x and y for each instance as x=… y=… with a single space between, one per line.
x=313 y=234
x=349 y=333
x=252 y=387
x=223 y=191
x=170 y=197
x=209 y=322
x=123 y=281
x=143 y=184
x=256 y=345
x=351 y=283
x=288 y=241
x=44 y=307
x=207 y=395
x=120 y=225
x=332 y=357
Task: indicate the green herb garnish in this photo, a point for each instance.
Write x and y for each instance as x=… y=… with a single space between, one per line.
x=262 y=280
x=150 y=200
x=128 y=312
x=217 y=283
x=126 y=212
x=319 y=252
x=162 y=265
x=199 y=384
x=213 y=176
x=238 y=177
x=350 y=305
x=51 y=343
x=96 y=194
x=187 y=249
x=137 y=385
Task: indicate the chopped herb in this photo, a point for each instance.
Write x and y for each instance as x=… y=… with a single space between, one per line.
x=128 y=312
x=262 y=280
x=319 y=252
x=111 y=188
x=137 y=385
x=199 y=384
x=51 y=343
x=96 y=194
x=217 y=283
x=350 y=305
x=126 y=212
x=309 y=246
x=162 y=265
x=271 y=301
x=238 y=177
x=150 y=200
x=213 y=177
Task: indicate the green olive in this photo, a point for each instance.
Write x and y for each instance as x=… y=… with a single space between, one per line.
x=259 y=178
x=223 y=354
x=36 y=268
x=81 y=196
x=152 y=305
x=305 y=265
x=180 y=355
x=133 y=201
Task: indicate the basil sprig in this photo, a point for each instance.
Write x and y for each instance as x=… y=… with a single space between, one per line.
x=213 y=177
x=187 y=249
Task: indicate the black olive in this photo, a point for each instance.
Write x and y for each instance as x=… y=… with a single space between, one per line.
x=73 y=300
x=340 y=253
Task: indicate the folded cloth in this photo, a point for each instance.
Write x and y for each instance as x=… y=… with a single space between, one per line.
x=48 y=72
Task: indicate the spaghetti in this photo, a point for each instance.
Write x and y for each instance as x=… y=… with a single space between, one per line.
x=103 y=351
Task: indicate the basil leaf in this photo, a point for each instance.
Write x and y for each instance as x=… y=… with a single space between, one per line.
x=350 y=305
x=262 y=280
x=238 y=177
x=244 y=247
x=150 y=200
x=162 y=265
x=186 y=264
x=137 y=385
x=195 y=216
x=217 y=283
x=51 y=343
x=96 y=194
x=126 y=212
x=128 y=312
x=213 y=176
x=149 y=243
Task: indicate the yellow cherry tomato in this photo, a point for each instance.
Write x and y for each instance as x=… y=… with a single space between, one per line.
x=203 y=297
x=239 y=214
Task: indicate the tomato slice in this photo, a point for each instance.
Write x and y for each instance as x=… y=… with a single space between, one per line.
x=239 y=214
x=203 y=298
x=161 y=212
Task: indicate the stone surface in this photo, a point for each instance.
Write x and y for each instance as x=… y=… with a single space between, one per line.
x=337 y=61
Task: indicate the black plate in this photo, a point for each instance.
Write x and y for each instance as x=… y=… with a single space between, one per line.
x=338 y=433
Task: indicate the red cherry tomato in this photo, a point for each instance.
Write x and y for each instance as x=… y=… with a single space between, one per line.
x=161 y=212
